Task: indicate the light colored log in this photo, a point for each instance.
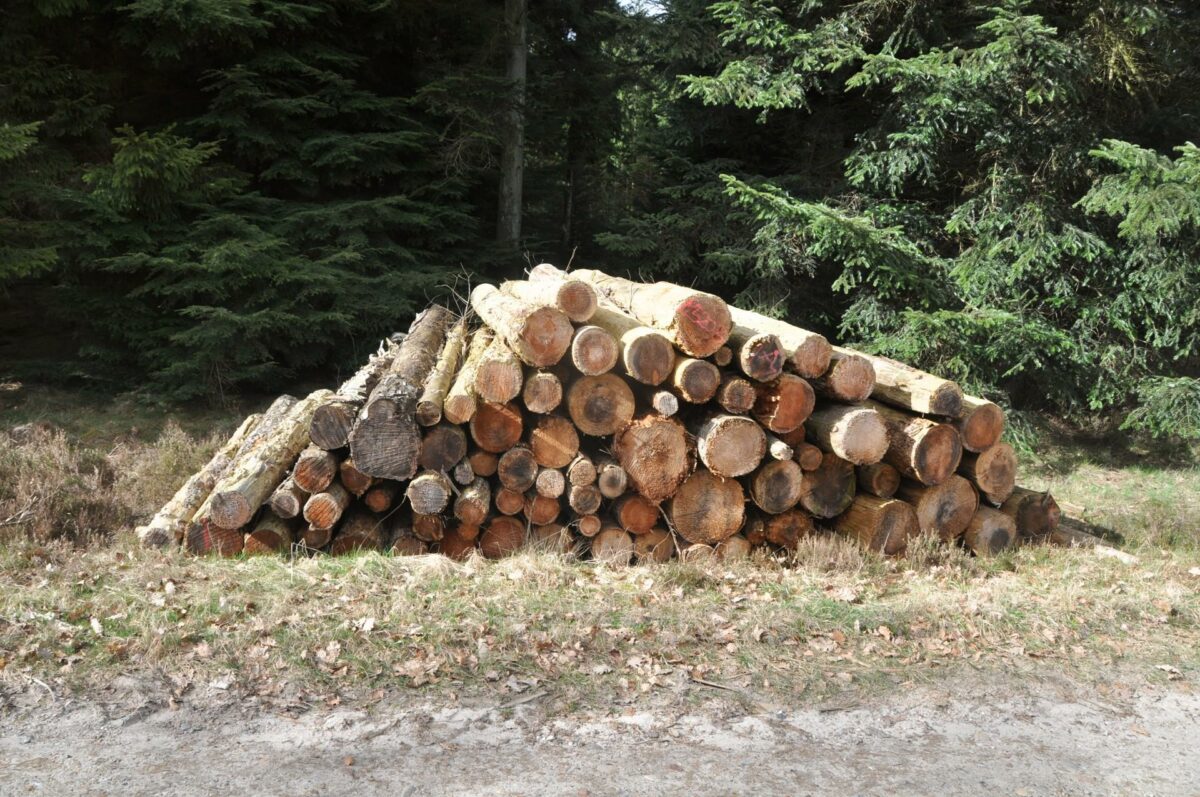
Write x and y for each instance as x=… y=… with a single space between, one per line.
x=653 y=451
x=550 y=483
x=538 y=335
x=980 y=423
x=807 y=352
x=574 y=298
x=646 y=354
x=499 y=376
x=696 y=381
x=582 y=470
x=433 y=396
x=429 y=492
x=730 y=445
x=854 y=433
x=600 y=405
x=850 y=377
x=912 y=389
x=707 y=508
x=993 y=471
x=611 y=478
x=543 y=392
x=594 y=350
x=460 y=402
x=784 y=404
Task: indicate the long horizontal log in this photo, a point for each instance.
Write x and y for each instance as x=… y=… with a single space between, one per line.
x=919 y=448
x=850 y=377
x=857 y=434
x=575 y=298
x=460 y=402
x=332 y=422
x=879 y=524
x=433 y=397
x=646 y=354
x=540 y=336
x=807 y=352
x=913 y=389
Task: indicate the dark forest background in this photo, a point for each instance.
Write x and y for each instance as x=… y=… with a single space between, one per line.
x=205 y=197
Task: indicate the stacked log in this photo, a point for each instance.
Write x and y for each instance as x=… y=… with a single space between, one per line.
x=592 y=415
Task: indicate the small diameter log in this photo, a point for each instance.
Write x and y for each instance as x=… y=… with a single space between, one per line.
x=408 y=545
x=755 y=530
x=723 y=356
x=828 y=490
x=695 y=381
x=944 y=509
x=483 y=463
x=612 y=546
x=456 y=545
x=550 y=483
x=646 y=354
x=315 y=538
x=653 y=451
x=581 y=470
x=600 y=405
x=271 y=534
x=594 y=351
x=463 y=474
x=543 y=392
x=850 y=377
x=777 y=449
x=879 y=524
x=518 y=468
x=980 y=424
x=636 y=514
x=584 y=498
x=759 y=355
x=429 y=405
x=323 y=510
x=168 y=526
x=288 y=500
x=429 y=493
x=589 y=525
x=920 y=449
x=698 y=322
x=730 y=445
x=442 y=447
x=611 y=478
x=787 y=528
x=856 y=434
x=912 y=389
x=785 y=404
x=554 y=441
x=540 y=509
x=654 y=545
x=807 y=352
x=993 y=471
x=538 y=335
x=382 y=496
x=707 y=508
x=315 y=469
x=879 y=479
x=552 y=538
x=503 y=537
x=735 y=548
x=1035 y=514
x=331 y=423
x=664 y=403
x=736 y=394
x=990 y=532
x=776 y=486
x=499 y=376
x=360 y=531
x=352 y=478
x=575 y=298
x=460 y=402
x=808 y=456
x=509 y=502
x=430 y=528
x=473 y=503
x=496 y=427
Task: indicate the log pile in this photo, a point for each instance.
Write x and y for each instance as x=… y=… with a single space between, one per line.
x=586 y=413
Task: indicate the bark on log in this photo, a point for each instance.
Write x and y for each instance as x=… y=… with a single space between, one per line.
x=736 y=394
x=807 y=352
x=433 y=396
x=271 y=534
x=787 y=529
x=540 y=510
x=655 y=545
x=646 y=354
x=785 y=404
x=382 y=496
x=990 y=532
x=360 y=531
x=540 y=336
x=408 y=545
x=483 y=463
x=324 y=509
x=509 y=502
x=696 y=381
x=503 y=537
x=550 y=483
x=518 y=468
x=574 y=298
x=850 y=377
x=776 y=486
x=636 y=514
x=827 y=491
x=473 y=503
x=463 y=474
x=612 y=546
x=554 y=441
x=332 y=422
x=759 y=355
x=1035 y=514
x=653 y=451
x=442 y=446
x=496 y=427
x=857 y=434
x=461 y=400
x=288 y=500
x=912 y=389
x=707 y=508
x=945 y=509
x=879 y=524
x=582 y=470
x=729 y=445
x=993 y=471
x=499 y=376
x=919 y=448
x=980 y=424
x=315 y=538
x=429 y=493
x=594 y=351
x=543 y=392
x=779 y=450
x=879 y=479
x=584 y=498
x=723 y=356
x=611 y=478
x=352 y=478
x=315 y=469
x=385 y=440
x=600 y=405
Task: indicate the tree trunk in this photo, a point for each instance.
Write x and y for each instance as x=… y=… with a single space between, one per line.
x=496 y=427
x=920 y=449
x=612 y=546
x=324 y=509
x=730 y=445
x=512 y=131
x=980 y=424
x=707 y=508
x=993 y=471
x=879 y=524
x=594 y=350
x=857 y=434
x=502 y=537
x=574 y=298
x=1035 y=514
x=271 y=534
x=990 y=532
x=584 y=499
x=315 y=469
x=431 y=528
x=635 y=513
x=474 y=502
x=945 y=509
x=600 y=405
x=776 y=486
x=550 y=483
x=655 y=545
x=554 y=441
x=850 y=377
x=352 y=478
x=909 y=388
x=653 y=451
x=696 y=381
x=429 y=493
x=736 y=394
x=785 y=404
x=499 y=376
x=442 y=447
x=288 y=500
x=332 y=422
x=787 y=529
x=646 y=354
x=433 y=397
x=828 y=490
x=807 y=352
x=540 y=336
x=759 y=355
x=543 y=392
x=879 y=479
x=460 y=401
x=518 y=468
x=611 y=478
x=382 y=496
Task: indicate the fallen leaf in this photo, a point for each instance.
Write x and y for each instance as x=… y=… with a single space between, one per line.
x=96 y=627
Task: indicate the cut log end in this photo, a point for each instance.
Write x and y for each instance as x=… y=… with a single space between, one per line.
x=543 y=393
x=731 y=445
x=761 y=357
x=653 y=451
x=612 y=546
x=945 y=509
x=503 y=537
x=594 y=351
x=696 y=381
x=990 y=532
x=981 y=424
x=600 y=405
x=879 y=524
x=702 y=324
x=707 y=508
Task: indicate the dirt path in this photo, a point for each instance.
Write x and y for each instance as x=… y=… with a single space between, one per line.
x=1056 y=739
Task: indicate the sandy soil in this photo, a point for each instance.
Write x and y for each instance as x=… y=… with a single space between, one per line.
x=1048 y=738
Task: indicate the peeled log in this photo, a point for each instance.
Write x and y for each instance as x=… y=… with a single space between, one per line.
x=429 y=493
x=442 y=446
x=785 y=404
x=879 y=524
x=807 y=352
x=654 y=454
x=288 y=500
x=655 y=545
x=499 y=376
x=168 y=526
x=730 y=445
x=856 y=434
x=636 y=514
x=472 y=505
x=910 y=388
x=777 y=449
x=315 y=469
x=828 y=490
x=324 y=509
x=332 y=422
x=385 y=441
x=538 y=335
x=581 y=470
x=788 y=528
x=461 y=400
x=543 y=392
x=429 y=406
x=575 y=298
x=554 y=441
x=707 y=508
x=496 y=427
x=879 y=479
x=594 y=351
x=612 y=546
x=920 y=449
x=518 y=468
x=980 y=424
x=850 y=377
x=600 y=405
x=993 y=471
x=736 y=394
x=550 y=483
x=945 y=509
x=695 y=381
x=463 y=474
x=776 y=486
x=645 y=353
x=271 y=534
x=1035 y=514
x=502 y=537
x=990 y=532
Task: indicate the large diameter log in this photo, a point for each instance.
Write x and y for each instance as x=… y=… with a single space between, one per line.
x=442 y=447
x=543 y=392
x=919 y=448
x=324 y=509
x=611 y=478
x=518 y=468
x=553 y=538
x=695 y=381
x=332 y=422
x=903 y=386
x=759 y=355
x=787 y=528
x=655 y=545
x=856 y=434
x=594 y=350
x=503 y=537
x=730 y=445
x=636 y=514
x=288 y=500
x=776 y=486
x=352 y=478
x=707 y=508
x=990 y=532
x=573 y=296
x=499 y=376
x=612 y=546
x=654 y=454
x=315 y=469
x=429 y=493
x=879 y=524
x=850 y=377
x=944 y=509
x=980 y=424
x=828 y=490
x=736 y=394
x=271 y=534
x=554 y=441
x=169 y=524
x=646 y=354
x=993 y=471
x=879 y=479
x=784 y=404
x=473 y=503
x=539 y=335
x=1035 y=514
x=429 y=405
x=250 y=480
x=360 y=531
x=600 y=405
x=496 y=427
x=386 y=440
x=698 y=322
x=456 y=545
x=460 y=402
x=807 y=352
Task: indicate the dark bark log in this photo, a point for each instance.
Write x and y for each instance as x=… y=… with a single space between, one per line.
x=879 y=524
